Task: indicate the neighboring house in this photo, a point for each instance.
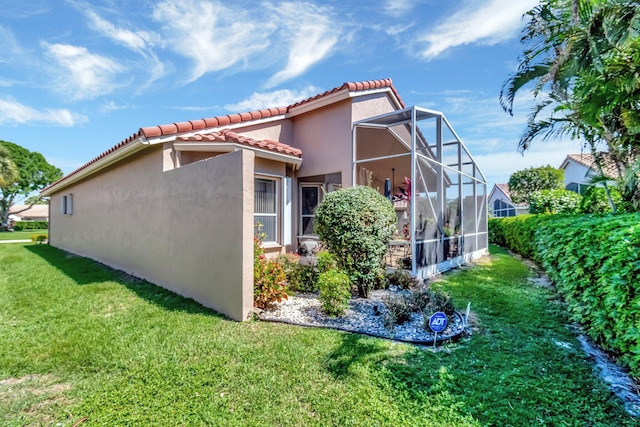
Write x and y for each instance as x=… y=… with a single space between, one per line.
x=176 y=204
x=579 y=169
x=26 y=213
x=501 y=204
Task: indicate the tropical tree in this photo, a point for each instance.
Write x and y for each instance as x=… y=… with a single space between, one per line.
x=523 y=183
x=582 y=61
x=34 y=174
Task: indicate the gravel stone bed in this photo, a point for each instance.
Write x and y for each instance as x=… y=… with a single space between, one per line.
x=360 y=317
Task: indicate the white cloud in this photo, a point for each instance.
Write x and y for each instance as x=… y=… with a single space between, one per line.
x=83 y=74
x=134 y=40
x=140 y=42
x=311 y=34
x=13 y=112
x=213 y=36
x=486 y=22
x=278 y=98
x=398 y=7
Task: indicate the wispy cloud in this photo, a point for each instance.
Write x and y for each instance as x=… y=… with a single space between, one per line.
x=213 y=36
x=83 y=75
x=485 y=22
x=140 y=42
x=398 y=7
x=311 y=35
x=13 y=112
x=276 y=98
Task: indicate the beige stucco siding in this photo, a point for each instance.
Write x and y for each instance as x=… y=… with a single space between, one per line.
x=368 y=106
x=324 y=137
x=188 y=229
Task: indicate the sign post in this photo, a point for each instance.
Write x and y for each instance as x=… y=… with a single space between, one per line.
x=437 y=323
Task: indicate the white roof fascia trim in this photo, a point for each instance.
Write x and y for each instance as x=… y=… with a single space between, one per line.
x=131 y=148
x=356 y=93
x=226 y=147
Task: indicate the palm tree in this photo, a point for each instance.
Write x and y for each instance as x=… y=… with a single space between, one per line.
x=582 y=61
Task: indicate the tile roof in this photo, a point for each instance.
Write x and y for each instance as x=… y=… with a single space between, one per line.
x=35 y=211
x=505 y=189
x=588 y=160
x=227 y=135
x=194 y=125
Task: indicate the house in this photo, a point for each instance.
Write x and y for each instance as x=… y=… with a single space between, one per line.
x=29 y=213
x=579 y=169
x=501 y=204
x=177 y=204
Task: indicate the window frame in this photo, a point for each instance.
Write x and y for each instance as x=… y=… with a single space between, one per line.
x=319 y=186
x=278 y=213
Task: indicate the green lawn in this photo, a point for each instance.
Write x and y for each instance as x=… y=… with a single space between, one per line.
x=21 y=235
x=79 y=342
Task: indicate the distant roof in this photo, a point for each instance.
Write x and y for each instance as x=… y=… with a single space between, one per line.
x=588 y=160
x=229 y=119
x=505 y=189
x=35 y=211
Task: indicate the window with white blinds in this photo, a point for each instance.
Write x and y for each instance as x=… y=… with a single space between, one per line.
x=265 y=210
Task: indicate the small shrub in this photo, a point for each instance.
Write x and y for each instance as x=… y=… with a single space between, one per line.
x=38 y=238
x=399 y=311
x=326 y=261
x=269 y=277
x=402 y=279
x=300 y=278
x=335 y=292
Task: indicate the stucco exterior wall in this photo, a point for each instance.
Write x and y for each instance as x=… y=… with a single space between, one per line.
x=574 y=172
x=324 y=136
x=188 y=229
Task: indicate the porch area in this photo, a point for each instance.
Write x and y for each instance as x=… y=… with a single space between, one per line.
x=415 y=158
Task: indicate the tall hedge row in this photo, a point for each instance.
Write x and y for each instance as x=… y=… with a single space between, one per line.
x=594 y=261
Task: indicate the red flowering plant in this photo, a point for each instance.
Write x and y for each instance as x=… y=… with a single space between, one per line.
x=269 y=278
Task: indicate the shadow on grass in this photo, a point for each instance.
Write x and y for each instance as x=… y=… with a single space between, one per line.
x=85 y=271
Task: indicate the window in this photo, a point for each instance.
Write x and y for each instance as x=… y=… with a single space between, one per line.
x=265 y=209
x=502 y=209
x=66 y=205
x=309 y=201
x=577 y=188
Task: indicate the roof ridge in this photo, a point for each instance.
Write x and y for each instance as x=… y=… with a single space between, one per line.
x=227 y=119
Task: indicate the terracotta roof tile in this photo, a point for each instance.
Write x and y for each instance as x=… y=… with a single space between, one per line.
x=227 y=135
x=211 y=122
x=588 y=160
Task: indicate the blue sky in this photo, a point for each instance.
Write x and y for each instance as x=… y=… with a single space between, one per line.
x=77 y=77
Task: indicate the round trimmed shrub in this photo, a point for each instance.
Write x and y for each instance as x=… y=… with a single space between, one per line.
x=356 y=224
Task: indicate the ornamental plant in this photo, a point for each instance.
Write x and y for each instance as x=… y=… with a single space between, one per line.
x=554 y=202
x=356 y=225
x=269 y=277
x=335 y=292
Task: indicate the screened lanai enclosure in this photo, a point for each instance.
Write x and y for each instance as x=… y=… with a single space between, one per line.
x=416 y=159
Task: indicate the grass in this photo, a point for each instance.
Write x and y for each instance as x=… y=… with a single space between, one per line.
x=21 y=235
x=82 y=343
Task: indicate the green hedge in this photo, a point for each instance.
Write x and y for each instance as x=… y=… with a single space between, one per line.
x=595 y=262
x=30 y=225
